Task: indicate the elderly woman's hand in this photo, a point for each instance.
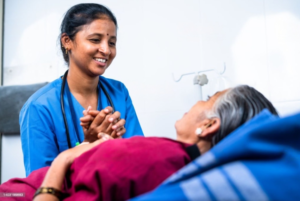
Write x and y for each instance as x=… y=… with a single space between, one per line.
x=71 y=154
x=56 y=173
x=95 y=122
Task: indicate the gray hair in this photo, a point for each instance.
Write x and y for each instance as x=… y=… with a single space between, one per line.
x=237 y=106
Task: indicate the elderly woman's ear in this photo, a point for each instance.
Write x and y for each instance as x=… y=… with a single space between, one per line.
x=208 y=128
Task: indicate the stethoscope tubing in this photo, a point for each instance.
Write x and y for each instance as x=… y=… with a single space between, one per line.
x=63 y=105
x=63 y=108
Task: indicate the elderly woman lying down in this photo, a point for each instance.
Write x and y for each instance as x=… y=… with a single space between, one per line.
x=124 y=168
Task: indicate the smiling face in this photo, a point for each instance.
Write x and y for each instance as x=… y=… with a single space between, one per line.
x=195 y=118
x=94 y=47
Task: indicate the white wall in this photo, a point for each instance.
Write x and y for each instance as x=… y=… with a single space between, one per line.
x=258 y=40
x=12 y=158
x=1 y=34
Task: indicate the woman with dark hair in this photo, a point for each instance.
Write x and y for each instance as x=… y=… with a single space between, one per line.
x=124 y=168
x=51 y=121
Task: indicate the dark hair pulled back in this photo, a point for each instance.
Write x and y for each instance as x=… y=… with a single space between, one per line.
x=80 y=15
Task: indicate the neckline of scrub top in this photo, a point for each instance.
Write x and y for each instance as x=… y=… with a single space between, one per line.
x=72 y=109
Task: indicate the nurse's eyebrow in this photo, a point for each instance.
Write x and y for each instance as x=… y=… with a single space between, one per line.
x=98 y=34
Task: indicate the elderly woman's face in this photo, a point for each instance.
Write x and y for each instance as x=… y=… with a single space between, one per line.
x=187 y=125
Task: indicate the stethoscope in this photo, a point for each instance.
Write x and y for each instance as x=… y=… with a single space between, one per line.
x=72 y=108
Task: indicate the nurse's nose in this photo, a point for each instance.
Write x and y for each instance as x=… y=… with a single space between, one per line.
x=104 y=48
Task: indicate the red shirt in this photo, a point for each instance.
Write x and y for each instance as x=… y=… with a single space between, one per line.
x=115 y=170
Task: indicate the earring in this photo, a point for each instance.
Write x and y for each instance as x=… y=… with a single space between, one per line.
x=198 y=131
x=67 y=51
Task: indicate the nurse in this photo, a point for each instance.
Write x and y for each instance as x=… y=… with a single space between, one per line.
x=88 y=44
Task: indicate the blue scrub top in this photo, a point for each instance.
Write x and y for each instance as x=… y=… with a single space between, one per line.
x=43 y=132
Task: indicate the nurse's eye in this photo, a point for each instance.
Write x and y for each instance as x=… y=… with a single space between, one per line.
x=208 y=97
x=112 y=44
x=94 y=40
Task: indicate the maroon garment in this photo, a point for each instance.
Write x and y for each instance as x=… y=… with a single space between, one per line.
x=24 y=185
x=116 y=170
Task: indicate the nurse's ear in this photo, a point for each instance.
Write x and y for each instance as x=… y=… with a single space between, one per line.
x=208 y=128
x=66 y=41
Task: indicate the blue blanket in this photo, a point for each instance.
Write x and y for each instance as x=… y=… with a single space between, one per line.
x=258 y=161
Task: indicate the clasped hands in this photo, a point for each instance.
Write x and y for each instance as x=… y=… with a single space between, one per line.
x=98 y=127
x=95 y=122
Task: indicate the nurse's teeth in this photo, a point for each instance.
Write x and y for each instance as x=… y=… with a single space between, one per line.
x=101 y=60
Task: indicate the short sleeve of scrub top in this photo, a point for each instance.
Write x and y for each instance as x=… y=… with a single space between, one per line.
x=43 y=132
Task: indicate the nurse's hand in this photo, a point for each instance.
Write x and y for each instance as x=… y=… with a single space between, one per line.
x=95 y=122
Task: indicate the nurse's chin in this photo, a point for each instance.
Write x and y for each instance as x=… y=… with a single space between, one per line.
x=96 y=72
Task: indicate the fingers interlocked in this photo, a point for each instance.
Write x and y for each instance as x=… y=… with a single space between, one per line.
x=95 y=122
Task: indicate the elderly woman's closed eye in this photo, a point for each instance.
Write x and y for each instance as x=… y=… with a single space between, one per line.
x=208 y=122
